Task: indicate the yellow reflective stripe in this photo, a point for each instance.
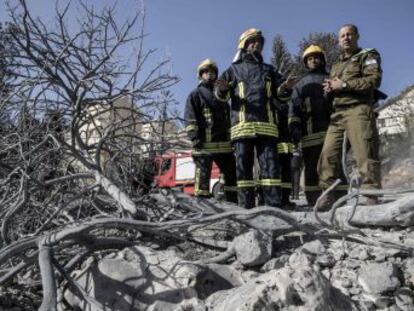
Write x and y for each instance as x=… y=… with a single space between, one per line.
x=246 y=183
x=242 y=93
x=313 y=139
x=248 y=129
x=207 y=116
x=270 y=113
x=279 y=92
x=342 y=187
x=214 y=147
x=294 y=119
x=269 y=89
x=191 y=127
x=197 y=180
x=291 y=147
x=312 y=188
x=286 y=185
x=283 y=148
x=201 y=192
x=222 y=99
x=269 y=182
x=242 y=113
x=230 y=188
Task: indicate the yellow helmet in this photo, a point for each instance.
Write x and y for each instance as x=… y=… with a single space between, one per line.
x=207 y=63
x=313 y=49
x=248 y=34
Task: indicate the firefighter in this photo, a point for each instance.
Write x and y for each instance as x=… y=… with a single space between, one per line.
x=353 y=83
x=309 y=113
x=252 y=85
x=208 y=126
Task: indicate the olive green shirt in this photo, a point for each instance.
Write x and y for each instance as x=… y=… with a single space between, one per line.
x=362 y=73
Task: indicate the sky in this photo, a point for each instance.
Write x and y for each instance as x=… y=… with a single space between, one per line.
x=192 y=30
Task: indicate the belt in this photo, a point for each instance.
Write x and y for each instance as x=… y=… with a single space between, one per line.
x=345 y=107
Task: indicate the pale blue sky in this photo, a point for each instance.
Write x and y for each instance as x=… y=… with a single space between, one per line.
x=191 y=30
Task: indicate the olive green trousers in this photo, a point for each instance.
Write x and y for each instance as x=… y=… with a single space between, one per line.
x=359 y=123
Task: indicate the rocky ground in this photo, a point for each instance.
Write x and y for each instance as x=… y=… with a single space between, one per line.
x=257 y=264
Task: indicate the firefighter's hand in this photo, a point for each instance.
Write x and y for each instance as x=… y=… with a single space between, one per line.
x=222 y=86
x=327 y=88
x=289 y=82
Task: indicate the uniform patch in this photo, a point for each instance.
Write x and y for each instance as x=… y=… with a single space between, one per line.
x=371 y=61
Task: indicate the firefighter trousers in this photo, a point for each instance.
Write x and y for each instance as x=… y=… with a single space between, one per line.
x=296 y=169
x=360 y=126
x=227 y=166
x=286 y=177
x=269 y=170
x=310 y=158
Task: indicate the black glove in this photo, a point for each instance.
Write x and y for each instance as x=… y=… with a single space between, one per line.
x=295 y=134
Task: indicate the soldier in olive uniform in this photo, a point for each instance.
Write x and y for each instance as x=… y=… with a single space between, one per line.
x=353 y=81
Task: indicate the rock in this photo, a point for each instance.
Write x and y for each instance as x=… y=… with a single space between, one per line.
x=139 y=278
x=404 y=298
x=408 y=272
x=325 y=260
x=253 y=248
x=315 y=248
x=275 y=263
x=300 y=260
x=379 y=301
x=378 y=278
x=359 y=252
x=301 y=289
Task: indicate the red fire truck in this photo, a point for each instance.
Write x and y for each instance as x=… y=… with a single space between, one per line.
x=176 y=170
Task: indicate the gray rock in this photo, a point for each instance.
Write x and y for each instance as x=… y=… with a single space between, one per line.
x=275 y=263
x=253 y=248
x=139 y=278
x=408 y=272
x=299 y=289
x=379 y=301
x=404 y=298
x=325 y=260
x=315 y=248
x=359 y=252
x=378 y=278
x=300 y=260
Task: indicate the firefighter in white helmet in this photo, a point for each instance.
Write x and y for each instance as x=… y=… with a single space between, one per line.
x=253 y=86
x=208 y=127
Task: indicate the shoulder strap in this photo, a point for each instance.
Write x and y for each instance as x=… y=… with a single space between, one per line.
x=363 y=51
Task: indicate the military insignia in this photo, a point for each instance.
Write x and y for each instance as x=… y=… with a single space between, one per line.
x=371 y=61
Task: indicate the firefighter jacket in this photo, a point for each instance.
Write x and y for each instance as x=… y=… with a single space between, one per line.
x=309 y=109
x=362 y=74
x=253 y=86
x=207 y=122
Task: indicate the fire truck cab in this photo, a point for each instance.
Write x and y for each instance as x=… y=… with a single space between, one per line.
x=176 y=170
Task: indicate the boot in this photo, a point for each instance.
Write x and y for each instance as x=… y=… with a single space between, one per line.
x=286 y=204
x=325 y=204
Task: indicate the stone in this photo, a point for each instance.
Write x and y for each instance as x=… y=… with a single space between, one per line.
x=300 y=260
x=379 y=301
x=325 y=260
x=408 y=272
x=139 y=278
x=253 y=248
x=275 y=263
x=404 y=299
x=378 y=278
x=299 y=289
x=315 y=248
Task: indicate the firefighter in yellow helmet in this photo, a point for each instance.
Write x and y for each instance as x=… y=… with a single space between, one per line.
x=309 y=113
x=208 y=127
x=353 y=84
x=252 y=86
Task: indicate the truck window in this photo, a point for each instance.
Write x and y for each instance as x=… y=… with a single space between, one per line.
x=166 y=164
